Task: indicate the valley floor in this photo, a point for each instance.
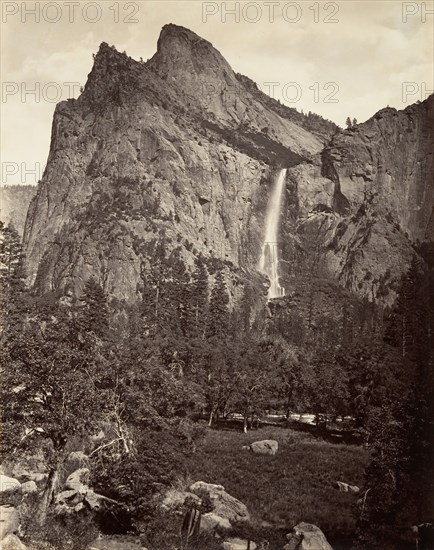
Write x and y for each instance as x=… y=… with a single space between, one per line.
x=298 y=484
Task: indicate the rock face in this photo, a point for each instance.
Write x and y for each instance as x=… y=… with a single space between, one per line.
x=12 y=542
x=184 y=149
x=305 y=536
x=144 y=150
x=9 y=521
x=14 y=203
x=365 y=201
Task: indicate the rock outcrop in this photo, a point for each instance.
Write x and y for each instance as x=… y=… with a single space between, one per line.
x=219 y=510
x=77 y=495
x=305 y=536
x=184 y=150
x=223 y=504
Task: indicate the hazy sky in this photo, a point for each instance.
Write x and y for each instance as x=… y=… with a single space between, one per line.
x=333 y=58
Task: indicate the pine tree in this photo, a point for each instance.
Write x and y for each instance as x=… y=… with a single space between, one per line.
x=354 y=121
x=199 y=300
x=246 y=308
x=93 y=313
x=218 y=316
x=401 y=473
x=13 y=296
x=348 y=122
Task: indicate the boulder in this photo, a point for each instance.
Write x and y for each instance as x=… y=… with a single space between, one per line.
x=8 y=484
x=29 y=487
x=265 y=447
x=68 y=497
x=37 y=477
x=306 y=536
x=203 y=488
x=9 y=521
x=78 y=480
x=77 y=460
x=12 y=542
x=79 y=507
x=346 y=488
x=212 y=522
x=115 y=543
x=238 y=544
x=23 y=467
x=92 y=499
x=223 y=504
x=174 y=499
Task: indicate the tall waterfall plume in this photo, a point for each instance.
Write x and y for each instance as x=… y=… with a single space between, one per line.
x=269 y=261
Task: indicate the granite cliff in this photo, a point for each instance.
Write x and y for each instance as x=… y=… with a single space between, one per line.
x=14 y=203
x=183 y=149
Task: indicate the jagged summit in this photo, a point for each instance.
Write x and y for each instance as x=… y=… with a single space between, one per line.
x=109 y=54
x=181 y=53
x=170 y=31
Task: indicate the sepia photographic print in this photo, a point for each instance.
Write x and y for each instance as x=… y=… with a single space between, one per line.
x=217 y=275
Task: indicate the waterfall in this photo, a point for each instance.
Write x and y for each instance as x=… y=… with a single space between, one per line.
x=269 y=261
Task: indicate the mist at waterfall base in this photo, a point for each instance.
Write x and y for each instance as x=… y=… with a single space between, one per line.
x=269 y=261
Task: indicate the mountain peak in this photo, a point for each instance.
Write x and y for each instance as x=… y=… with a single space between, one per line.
x=181 y=53
x=170 y=31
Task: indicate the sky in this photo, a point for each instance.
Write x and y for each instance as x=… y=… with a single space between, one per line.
x=337 y=59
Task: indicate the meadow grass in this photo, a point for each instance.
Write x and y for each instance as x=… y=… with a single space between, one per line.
x=295 y=485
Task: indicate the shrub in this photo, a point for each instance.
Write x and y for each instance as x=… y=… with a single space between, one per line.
x=73 y=531
x=134 y=480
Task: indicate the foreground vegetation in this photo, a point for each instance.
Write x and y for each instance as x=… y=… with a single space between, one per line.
x=144 y=373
